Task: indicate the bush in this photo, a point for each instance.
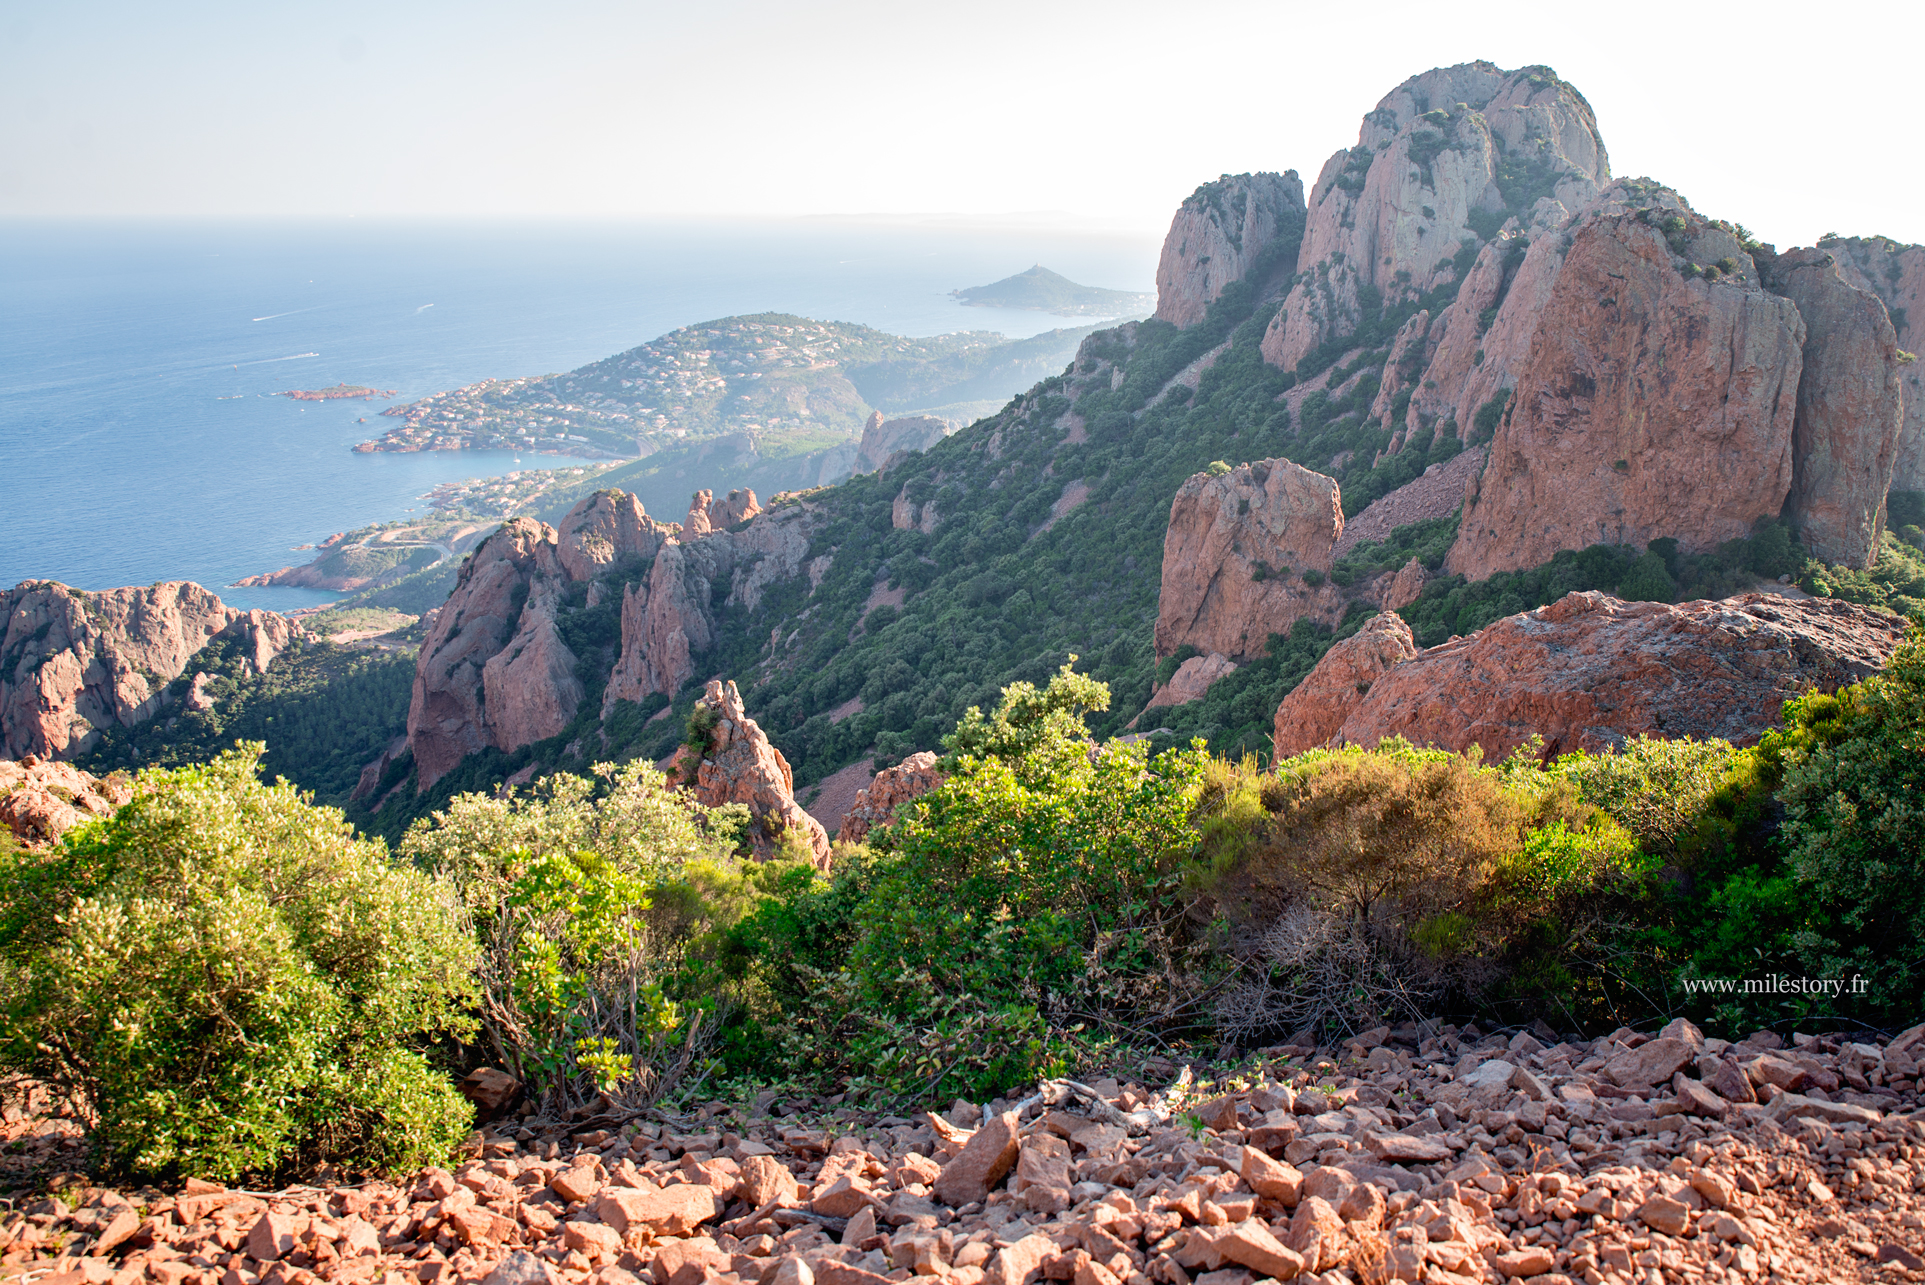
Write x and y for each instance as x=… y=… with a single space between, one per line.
x=1656 y=789
x=234 y=985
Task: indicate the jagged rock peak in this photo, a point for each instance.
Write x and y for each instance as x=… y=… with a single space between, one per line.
x=1218 y=235
x=1445 y=161
x=1236 y=554
x=604 y=528
x=74 y=663
x=740 y=766
x=1645 y=386
x=894 y=786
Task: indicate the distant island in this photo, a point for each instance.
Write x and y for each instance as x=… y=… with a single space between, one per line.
x=336 y=392
x=1041 y=290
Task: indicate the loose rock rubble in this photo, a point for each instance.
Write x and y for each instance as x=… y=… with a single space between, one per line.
x=1410 y=1154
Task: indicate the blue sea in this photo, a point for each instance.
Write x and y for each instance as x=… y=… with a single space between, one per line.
x=139 y=429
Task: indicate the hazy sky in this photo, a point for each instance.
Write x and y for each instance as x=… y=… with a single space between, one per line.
x=1792 y=121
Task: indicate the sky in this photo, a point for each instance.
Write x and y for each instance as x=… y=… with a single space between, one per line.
x=1795 y=122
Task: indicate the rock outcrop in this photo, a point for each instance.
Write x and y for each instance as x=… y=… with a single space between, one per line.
x=1590 y=671
x=884 y=439
x=1435 y=493
x=894 y=786
x=1850 y=408
x=740 y=766
x=1896 y=274
x=605 y=528
x=1314 y=712
x=74 y=664
x=41 y=800
x=1445 y=160
x=1217 y=236
x=1657 y=399
x=1235 y=555
x=1192 y=680
x=493 y=669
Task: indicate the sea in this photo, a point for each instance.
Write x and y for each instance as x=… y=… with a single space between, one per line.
x=142 y=438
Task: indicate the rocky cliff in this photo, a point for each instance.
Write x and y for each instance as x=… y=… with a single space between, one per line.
x=1236 y=553
x=1446 y=160
x=1656 y=398
x=894 y=786
x=1896 y=274
x=1850 y=408
x=1218 y=235
x=884 y=439
x=1588 y=672
x=740 y=766
x=74 y=663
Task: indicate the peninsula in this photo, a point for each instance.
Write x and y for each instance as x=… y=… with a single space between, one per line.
x=1040 y=290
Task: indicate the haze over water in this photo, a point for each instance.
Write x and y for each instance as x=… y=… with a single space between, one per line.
x=138 y=363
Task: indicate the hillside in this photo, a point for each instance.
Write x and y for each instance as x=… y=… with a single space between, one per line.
x=1046 y=291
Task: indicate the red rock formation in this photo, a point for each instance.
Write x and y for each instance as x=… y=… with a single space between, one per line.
x=876 y=806
x=1217 y=235
x=1589 y=671
x=73 y=663
x=883 y=440
x=1235 y=553
x=1314 y=712
x=697 y=523
x=742 y=767
x=1191 y=680
x=604 y=528
x=739 y=506
x=1651 y=403
x=1896 y=274
x=1388 y=216
x=40 y=801
x=493 y=669
x=1849 y=408
x=1404 y=586
x=1435 y=493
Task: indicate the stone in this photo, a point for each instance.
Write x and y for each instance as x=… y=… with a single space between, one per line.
x=674 y=1210
x=894 y=786
x=577 y=1184
x=861 y=1225
x=1662 y=1213
x=1532 y=1260
x=1317 y=1233
x=1271 y=1178
x=1623 y=342
x=740 y=766
x=522 y=1268
x=1386 y=217
x=1697 y=1099
x=1590 y=671
x=1729 y=1081
x=766 y=1180
x=1020 y=1262
x=1796 y=1105
x=1649 y=1064
x=489 y=1088
x=793 y=1269
x=271 y=1238
x=1250 y=1243
x=1192 y=680
x=598 y=1240
x=984 y=1161
x=1235 y=555
x=1313 y=714
x=842 y=1197
x=1400 y=1148
x=1850 y=409
x=1042 y=1179
x=1217 y=236
x=76 y=664
x=1776 y=1071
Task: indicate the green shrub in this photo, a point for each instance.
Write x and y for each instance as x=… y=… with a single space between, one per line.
x=233 y=984
x=1654 y=788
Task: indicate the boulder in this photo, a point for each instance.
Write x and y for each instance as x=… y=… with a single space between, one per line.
x=1441 y=156
x=1654 y=400
x=989 y=1155
x=75 y=664
x=1217 y=235
x=1850 y=409
x=1235 y=555
x=41 y=800
x=1314 y=712
x=894 y=786
x=740 y=766
x=1590 y=671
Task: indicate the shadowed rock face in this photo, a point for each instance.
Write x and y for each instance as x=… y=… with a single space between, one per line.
x=1590 y=671
x=73 y=663
x=1850 y=408
x=742 y=767
x=1651 y=403
x=1443 y=153
x=1896 y=274
x=1217 y=235
x=1235 y=553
